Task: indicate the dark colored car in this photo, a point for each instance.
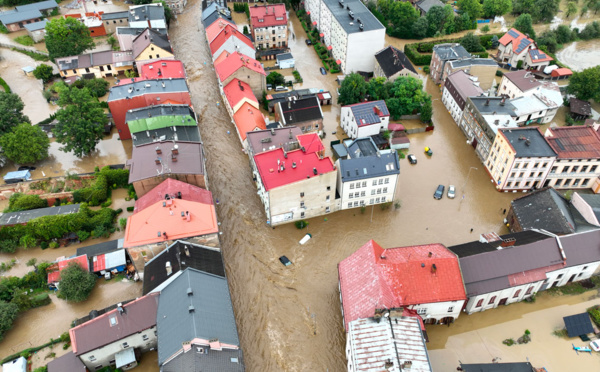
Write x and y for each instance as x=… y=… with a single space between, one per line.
x=25 y=167
x=308 y=42
x=323 y=71
x=439 y=192
x=412 y=159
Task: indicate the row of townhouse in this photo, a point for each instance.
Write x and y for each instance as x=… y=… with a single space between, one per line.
x=431 y=284
x=446 y=59
x=349 y=30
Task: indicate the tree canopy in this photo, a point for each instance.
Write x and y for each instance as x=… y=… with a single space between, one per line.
x=81 y=121
x=67 y=37
x=585 y=84
x=25 y=144
x=471 y=43
x=24 y=202
x=492 y=8
x=471 y=7
x=43 y=72
x=353 y=89
x=545 y=10
x=76 y=284
x=524 y=23
x=275 y=78
x=8 y=314
x=11 y=112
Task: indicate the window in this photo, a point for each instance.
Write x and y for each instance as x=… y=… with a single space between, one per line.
x=383 y=199
x=517 y=293
x=371 y=201
x=327 y=198
x=567 y=182
x=584 y=169
x=560 y=276
x=362 y=193
x=509 y=184
x=387 y=180
x=327 y=210
x=145 y=337
x=377 y=200
x=585 y=267
x=479 y=303
x=301 y=204
x=544 y=165
x=565 y=170
x=92 y=358
x=553 y=170
x=356 y=194
x=381 y=181
x=350 y=205
x=125 y=345
x=350 y=196
x=364 y=184
x=351 y=186
x=585 y=182
x=362 y=203
x=421 y=311
x=451 y=309
x=301 y=214
x=379 y=191
x=373 y=192
x=374 y=182
x=529 y=290
x=576 y=182
x=492 y=300
x=575 y=169
x=385 y=190
x=98 y=367
x=536 y=165
x=356 y=204
x=157 y=55
x=512 y=175
x=521 y=174
x=328 y=188
x=593 y=168
x=558 y=183
x=301 y=194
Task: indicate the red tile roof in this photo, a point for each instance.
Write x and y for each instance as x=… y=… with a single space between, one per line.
x=271 y=15
x=162 y=69
x=149 y=225
x=311 y=142
x=561 y=72
x=54 y=277
x=516 y=40
x=172 y=187
x=236 y=91
x=138 y=316
x=226 y=33
x=247 y=119
x=374 y=278
x=221 y=57
x=305 y=162
x=234 y=62
x=532 y=276
x=574 y=142
x=213 y=30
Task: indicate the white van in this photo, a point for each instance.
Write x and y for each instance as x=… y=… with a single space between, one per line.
x=280 y=88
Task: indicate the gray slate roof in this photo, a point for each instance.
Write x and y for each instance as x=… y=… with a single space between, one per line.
x=212 y=316
x=581 y=248
x=115 y=15
x=369 y=166
x=364 y=112
x=12 y=16
x=284 y=56
x=360 y=12
x=264 y=140
x=448 y=52
x=36 y=25
x=146 y=12
x=544 y=209
x=535 y=145
x=393 y=60
x=185 y=133
x=139 y=88
x=213 y=361
x=13 y=218
x=42 y=5
x=426 y=5
x=473 y=62
x=489 y=271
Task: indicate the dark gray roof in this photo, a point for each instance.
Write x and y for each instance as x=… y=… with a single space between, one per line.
x=364 y=112
x=393 y=60
x=361 y=147
x=11 y=16
x=493 y=105
x=14 y=218
x=159 y=110
x=182 y=255
x=593 y=201
x=42 y=5
x=213 y=12
x=146 y=12
x=580 y=107
x=578 y=324
x=498 y=367
x=581 y=248
x=36 y=25
x=473 y=62
x=488 y=245
x=68 y=63
x=489 y=271
x=426 y=5
x=115 y=15
x=265 y=140
x=300 y=110
x=101 y=248
x=178 y=133
x=284 y=56
x=361 y=15
x=139 y=88
x=544 y=209
x=67 y=362
x=211 y=316
x=448 y=52
x=369 y=166
x=214 y=361
x=528 y=142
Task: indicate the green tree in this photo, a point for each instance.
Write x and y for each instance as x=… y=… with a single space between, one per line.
x=585 y=84
x=8 y=314
x=426 y=112
x=97 y=87
x=401 y=16
x=571 y=8
x=43 y=72
x=246 y=32
x=471 y=43
x=81 y=121
x=492 y=8
x=11 y=112
x=275 y=78
x=437 y=17
x=25 y=144
x=545 y=10
x=419 y=28
x=353 y=89
x=113 y=42
x=408 y=97
x=168 y=12
x=379 y=88
x=593 y=5
x=76 y=284
x=67 y=37
x=522 y=6
x=471 y=7
x=564 y=34
x=524 y=23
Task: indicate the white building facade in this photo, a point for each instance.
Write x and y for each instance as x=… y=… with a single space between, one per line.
x=364 y=119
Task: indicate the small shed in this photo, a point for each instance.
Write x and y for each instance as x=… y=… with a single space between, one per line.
x=37 y=30
x=17 y=176
x=578 y=324
x=28 y=70
x=400 y=142
x=324 y=98
x=580 y=110
x=285 y=60
x=16 y=365
x=561 y=72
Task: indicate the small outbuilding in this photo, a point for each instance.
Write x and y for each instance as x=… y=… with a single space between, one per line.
x=28 y=70
x=37 y=30
x=561 y=73
x=15 y=365
x=580 y=110
x=285 y=60
x=17 y=176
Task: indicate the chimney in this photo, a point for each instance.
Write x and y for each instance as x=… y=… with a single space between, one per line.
x=158 y=150
x=175 y=150
x=508 y=242
x=487 y=102
x=187 y=250
x=157 y=161
x=169 y=268
x=120 y=308
x=503 y=101
x=407 y=364
x=315 y=171
x=433 y=269
x=294 y=165
x=430 y=254
x=389 y=364
x=188 y=216
x=149 y=25
x=174 y=158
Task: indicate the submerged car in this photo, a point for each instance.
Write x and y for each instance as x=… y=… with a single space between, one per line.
x=308 y=42
x=451 y=192
x=323 y=71
x=412 y=159
x=439 y=192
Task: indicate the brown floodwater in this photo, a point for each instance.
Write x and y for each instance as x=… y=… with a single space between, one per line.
x=580 y=55
x=289 y=318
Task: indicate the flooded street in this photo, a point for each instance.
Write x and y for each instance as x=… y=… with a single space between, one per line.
x=478 y=338
x=289 y=318
x=580 y=55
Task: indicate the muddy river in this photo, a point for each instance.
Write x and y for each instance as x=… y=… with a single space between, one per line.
x=580 y=55
x=289 y=318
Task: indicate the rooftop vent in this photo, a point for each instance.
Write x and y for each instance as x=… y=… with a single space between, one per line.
x=191 y=309
x=433 y=268
x=189 y=291
x=168 y=266
x=315 y=171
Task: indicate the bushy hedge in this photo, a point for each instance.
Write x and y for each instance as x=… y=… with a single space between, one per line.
x=595 y=314
x=98 y=192
x=116 y=178
x=23 y=202
x=415 y=57
x=414 y=51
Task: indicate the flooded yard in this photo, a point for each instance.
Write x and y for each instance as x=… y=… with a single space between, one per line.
x=580 y=55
